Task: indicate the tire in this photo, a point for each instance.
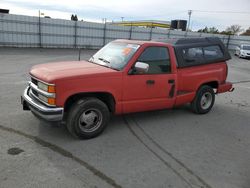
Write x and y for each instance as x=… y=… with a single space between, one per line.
x=87 y=118
x=204 y=100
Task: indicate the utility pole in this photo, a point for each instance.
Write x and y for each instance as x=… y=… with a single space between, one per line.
x=39 y=29
x=189 y=18
x=104 y=31
x=104 y=20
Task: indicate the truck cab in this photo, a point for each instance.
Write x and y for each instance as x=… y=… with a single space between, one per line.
x=128 y=76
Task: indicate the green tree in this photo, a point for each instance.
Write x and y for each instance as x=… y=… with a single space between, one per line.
x=74 y=17
x=213 y=30
x=226 y=33
x=205 y=30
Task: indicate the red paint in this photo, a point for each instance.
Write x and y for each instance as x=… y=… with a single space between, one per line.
x=131 y=93
x=224 y=87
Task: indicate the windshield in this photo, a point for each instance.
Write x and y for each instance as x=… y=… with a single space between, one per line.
x=115 y=55
x=246 y=47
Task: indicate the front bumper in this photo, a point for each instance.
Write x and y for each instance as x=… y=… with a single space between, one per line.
x=41 y=110
x=227 y=86
x=244 y=55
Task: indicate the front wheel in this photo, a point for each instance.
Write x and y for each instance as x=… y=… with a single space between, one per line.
x=88 y=118
x=204 y=100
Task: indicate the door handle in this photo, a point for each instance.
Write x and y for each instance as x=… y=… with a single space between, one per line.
x=172 y=89
x=171 y=81
x=150 y=82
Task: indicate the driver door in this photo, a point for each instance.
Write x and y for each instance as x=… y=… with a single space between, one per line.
x=154 y=89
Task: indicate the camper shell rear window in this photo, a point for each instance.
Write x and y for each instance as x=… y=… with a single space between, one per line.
x=200 y=51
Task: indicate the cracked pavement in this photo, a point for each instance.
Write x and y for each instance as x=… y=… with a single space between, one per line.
x=167 y=148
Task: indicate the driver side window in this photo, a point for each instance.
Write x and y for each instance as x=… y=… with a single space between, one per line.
x=158 y=60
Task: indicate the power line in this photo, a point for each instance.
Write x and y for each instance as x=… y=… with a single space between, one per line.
x=221 y=12
x=150 y=16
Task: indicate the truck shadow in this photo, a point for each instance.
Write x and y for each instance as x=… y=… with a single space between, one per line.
x=168 y=122
x=59 y=130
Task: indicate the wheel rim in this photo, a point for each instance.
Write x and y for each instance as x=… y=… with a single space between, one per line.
x=206 y=100
x=90 y=120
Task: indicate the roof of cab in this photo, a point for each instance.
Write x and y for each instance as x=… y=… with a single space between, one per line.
x=175 y=41
x=190 y=41
x=140 y=42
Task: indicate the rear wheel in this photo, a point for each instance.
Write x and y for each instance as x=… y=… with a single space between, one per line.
x=88 y=118
x=204 y=100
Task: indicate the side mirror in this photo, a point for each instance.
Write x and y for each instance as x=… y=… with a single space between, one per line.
x=141 y=68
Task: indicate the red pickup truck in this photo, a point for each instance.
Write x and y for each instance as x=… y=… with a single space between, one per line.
x=128 y=76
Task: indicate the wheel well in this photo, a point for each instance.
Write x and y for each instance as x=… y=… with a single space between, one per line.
x=213 y=84
x=107 y=98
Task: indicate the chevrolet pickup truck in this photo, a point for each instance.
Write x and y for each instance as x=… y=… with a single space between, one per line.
x=127 y=76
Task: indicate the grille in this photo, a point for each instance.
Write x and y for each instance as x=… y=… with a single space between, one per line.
x=34 y=81
x=34 y=92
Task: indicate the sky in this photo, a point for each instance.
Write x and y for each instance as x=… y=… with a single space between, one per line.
x=210 y=13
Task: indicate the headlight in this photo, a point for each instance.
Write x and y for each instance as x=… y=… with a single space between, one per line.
x=50 y=101
x=46 y=87
x=42 y=86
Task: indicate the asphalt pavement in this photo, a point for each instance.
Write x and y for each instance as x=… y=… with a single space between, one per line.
x=167 y=148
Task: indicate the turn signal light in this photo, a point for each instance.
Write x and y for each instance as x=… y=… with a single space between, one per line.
x=51 y=89
x=51 y=101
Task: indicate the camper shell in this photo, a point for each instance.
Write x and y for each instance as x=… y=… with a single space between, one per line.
x=198 y=51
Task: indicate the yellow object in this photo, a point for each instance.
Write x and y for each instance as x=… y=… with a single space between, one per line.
x=51 y=101
x=144 y=24
x=51 y=89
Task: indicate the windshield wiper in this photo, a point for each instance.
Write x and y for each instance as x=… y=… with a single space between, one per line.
x=104 y=60
x=107 y=62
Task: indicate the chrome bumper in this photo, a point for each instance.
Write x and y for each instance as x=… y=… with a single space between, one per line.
x=41 y=110
x=244 y=55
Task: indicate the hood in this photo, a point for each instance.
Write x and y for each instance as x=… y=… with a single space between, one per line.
x=50 y=72
x=246 y=51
